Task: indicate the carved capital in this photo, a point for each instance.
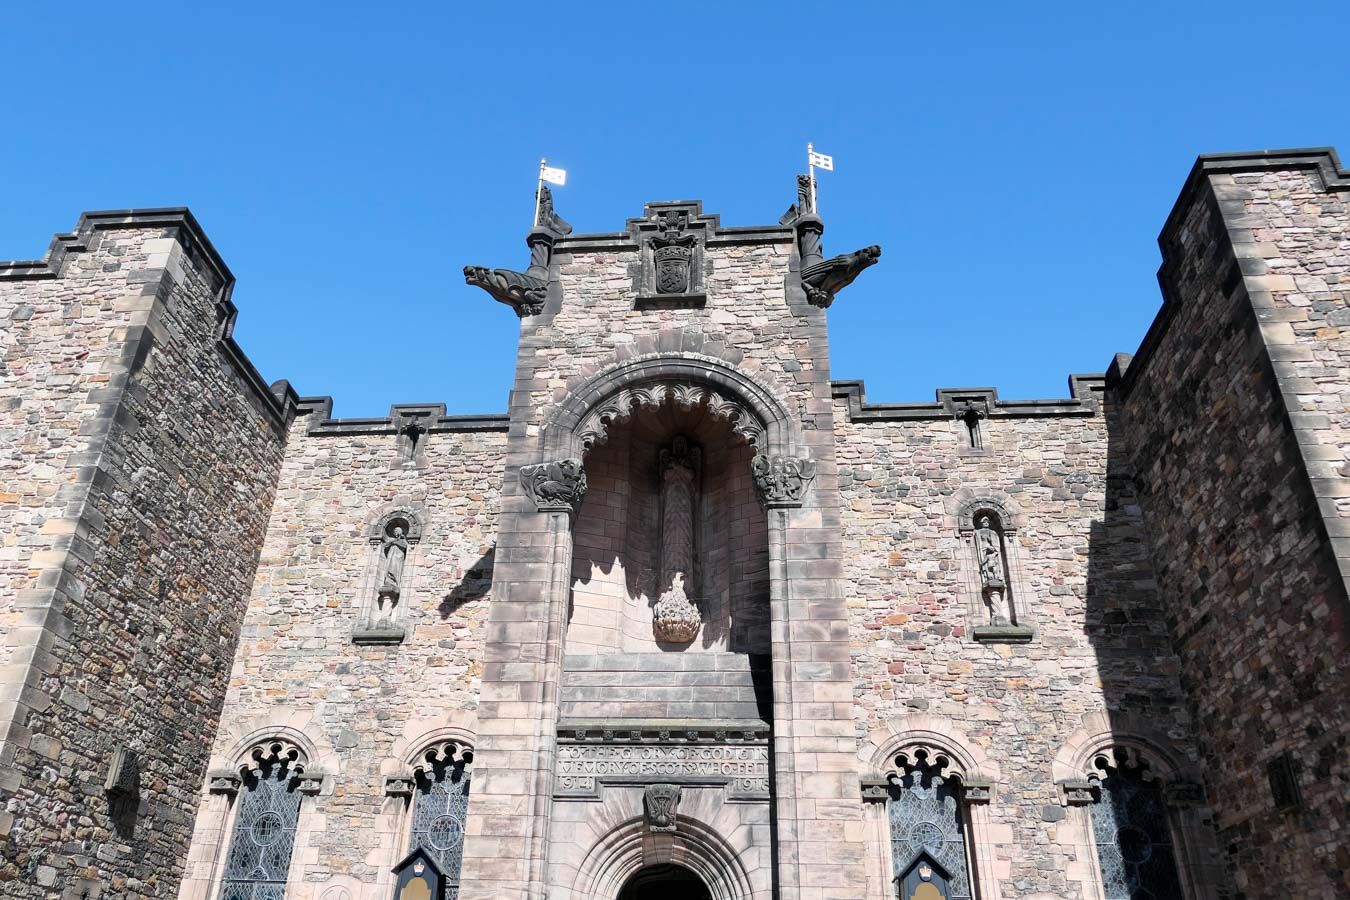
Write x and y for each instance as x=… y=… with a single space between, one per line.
x=660 y=801
x=227 y=783
x=399 y=786
x=555 y=486
x=977 y=791
x=309 y=784
x=124 y=774
x=782 y=481
x=1078 y=792
x=876 y=789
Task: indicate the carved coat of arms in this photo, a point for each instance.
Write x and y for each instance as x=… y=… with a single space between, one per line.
x=673 y=255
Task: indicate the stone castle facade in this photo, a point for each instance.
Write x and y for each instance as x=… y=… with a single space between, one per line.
x=692 y=618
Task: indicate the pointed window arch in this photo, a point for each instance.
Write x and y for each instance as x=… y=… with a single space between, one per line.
x=271 y=784
x=927 y=821
x=439 y=791
x=1132 y=830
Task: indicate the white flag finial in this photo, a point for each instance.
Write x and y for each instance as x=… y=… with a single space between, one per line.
x=821 y=161
x=552 y=175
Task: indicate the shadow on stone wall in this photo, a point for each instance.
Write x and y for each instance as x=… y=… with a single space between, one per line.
x=475 y=584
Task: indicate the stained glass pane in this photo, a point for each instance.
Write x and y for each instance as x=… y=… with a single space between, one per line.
x=264 y=833
x=440 y=807
x=925 y=814
x=1134 y=842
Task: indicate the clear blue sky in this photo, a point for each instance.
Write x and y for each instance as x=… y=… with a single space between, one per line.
x=1015 y=161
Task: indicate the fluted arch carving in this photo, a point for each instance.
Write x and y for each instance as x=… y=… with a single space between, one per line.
x=758 y=413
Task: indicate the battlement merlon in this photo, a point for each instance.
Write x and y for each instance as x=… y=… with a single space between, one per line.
x=179 y=224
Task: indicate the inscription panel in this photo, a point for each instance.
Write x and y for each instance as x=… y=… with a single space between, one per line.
x=582 y=768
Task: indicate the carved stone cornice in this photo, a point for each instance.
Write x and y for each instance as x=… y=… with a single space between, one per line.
x=555 y=486
x=782 y=481
x=661 y=733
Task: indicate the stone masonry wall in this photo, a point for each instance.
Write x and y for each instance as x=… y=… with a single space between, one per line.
x=1100 y=645
x=363 y=711
x=1246 y=361
x=168 y=458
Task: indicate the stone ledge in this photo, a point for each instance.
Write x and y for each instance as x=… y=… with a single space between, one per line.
x=1002 y=634
x=372 y=635
x=1083 y=403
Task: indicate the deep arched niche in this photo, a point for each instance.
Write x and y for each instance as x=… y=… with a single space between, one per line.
x=664 y=882
x=616 y=560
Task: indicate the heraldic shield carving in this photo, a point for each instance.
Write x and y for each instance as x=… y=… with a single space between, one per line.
x=673 y=254
x=661 y=800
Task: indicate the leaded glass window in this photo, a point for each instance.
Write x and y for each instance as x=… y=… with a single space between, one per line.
x=1134 y=838
x=925 y=816
x=264 y=833
x=440 y=808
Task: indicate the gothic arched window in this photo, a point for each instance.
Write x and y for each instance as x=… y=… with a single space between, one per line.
x=263 y=836
x=440 y=807
x=928 y=825
x=1132 y=830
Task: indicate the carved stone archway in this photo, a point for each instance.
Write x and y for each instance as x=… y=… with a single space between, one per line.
x=609 y=866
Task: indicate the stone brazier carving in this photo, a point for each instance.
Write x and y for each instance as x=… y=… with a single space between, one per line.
x=993 y=571
x=660 y=801
x=555 y=486
x=525 y=292
x=675 y=618
x=782 y=480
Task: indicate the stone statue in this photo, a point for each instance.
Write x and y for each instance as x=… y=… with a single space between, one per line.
x=675 y=618
x=823 y=280
x=989 y=555
x=393 y=554
x=547 y=217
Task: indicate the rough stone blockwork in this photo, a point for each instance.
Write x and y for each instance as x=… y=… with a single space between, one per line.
x=140 y=464
x=1236 y=412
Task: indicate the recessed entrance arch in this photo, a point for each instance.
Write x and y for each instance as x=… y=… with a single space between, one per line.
x=664 y=882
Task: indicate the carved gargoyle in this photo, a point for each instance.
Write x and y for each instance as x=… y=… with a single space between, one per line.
x=526 y=291
x=523 y=292
x=824 y=279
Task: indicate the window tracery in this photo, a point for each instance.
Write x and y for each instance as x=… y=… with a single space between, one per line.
x=924 y=809
x=1131 y=828
x=270 y=787
x=440 y=803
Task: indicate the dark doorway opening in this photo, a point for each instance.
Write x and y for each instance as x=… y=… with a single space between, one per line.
x=667 y=882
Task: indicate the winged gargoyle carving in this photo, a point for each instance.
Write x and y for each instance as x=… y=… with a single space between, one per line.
x=526 y=291
x=823 y=280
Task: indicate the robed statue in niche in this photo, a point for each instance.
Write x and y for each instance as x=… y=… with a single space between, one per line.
x=676 y=619
x=993 y=581
x=393 y=556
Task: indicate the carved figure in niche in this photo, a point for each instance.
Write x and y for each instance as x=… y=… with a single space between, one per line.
x=676 y=619
x=989 y=554
x=393 y=554
x=673 y=254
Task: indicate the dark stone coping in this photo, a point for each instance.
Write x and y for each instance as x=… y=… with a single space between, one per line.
x=431 y=416
x=1084 y=402
x=671 y=301
x=1322 y=159
x=630 y=241
x=373 y=635
x=279 y=400
x=678 y=732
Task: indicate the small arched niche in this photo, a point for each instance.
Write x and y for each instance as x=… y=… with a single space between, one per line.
x=670 y=499
x=664 y=882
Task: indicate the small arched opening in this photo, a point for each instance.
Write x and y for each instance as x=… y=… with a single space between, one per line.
x=664 y=882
